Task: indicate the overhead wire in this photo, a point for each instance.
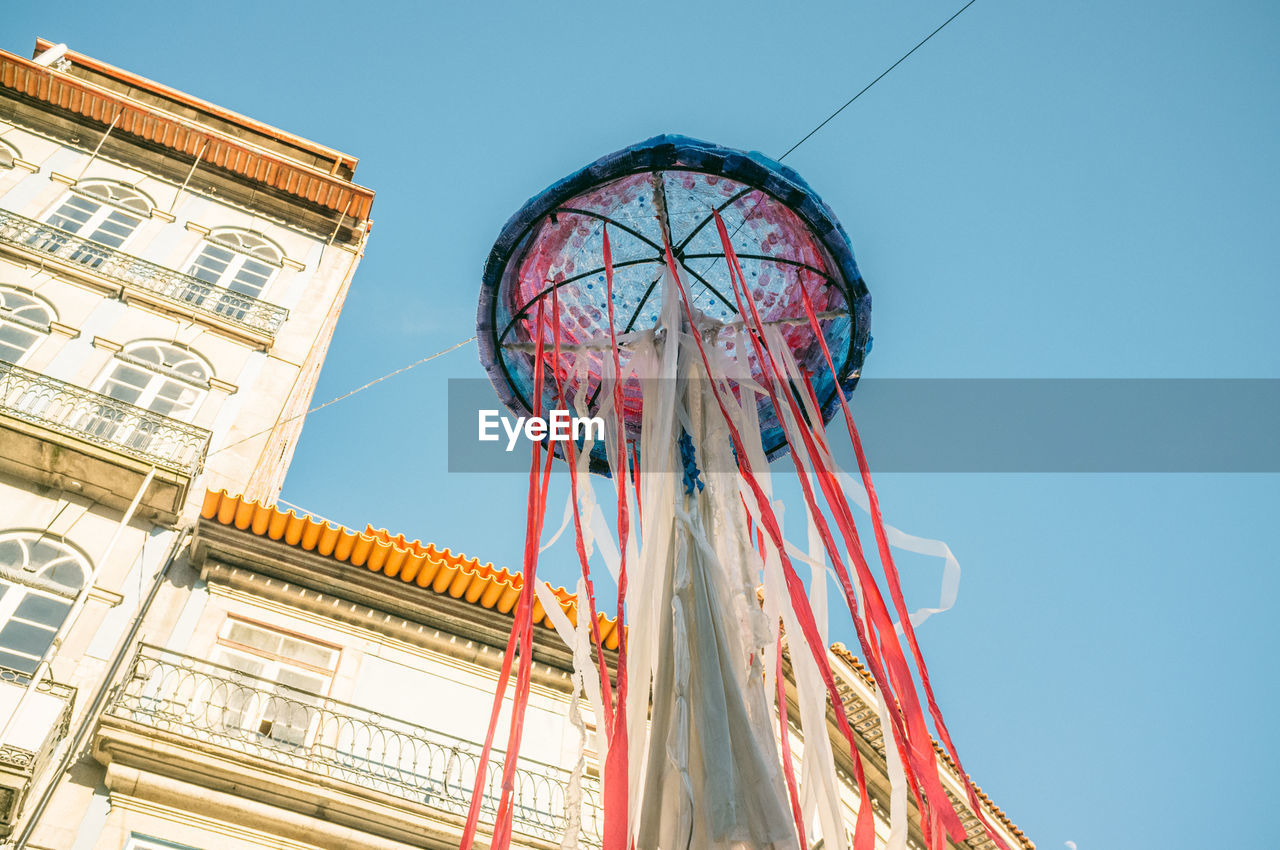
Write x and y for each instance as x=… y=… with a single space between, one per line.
x=347 y=395
x=824 y=122
x=868 y=86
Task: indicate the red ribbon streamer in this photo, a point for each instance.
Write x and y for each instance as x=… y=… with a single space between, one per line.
x=891 y=573
x=918 y=744
x=521 y=635
x=616 y=773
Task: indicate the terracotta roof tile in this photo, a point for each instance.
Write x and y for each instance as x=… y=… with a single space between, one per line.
x=190 y=138
x=421 y=564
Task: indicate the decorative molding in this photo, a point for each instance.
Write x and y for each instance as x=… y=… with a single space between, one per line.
x=113 y=347
x=197 y=228
x=59 y=177
x=163 y=216
x=110 y=598
x=25 y=166
x=371 y=594
x=65 y=330
x=293 y=264
x=223 y=386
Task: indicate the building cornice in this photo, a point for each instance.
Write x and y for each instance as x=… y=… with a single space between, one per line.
x=418 y=566
x=365 y=598
x=268 y=796
x=130 y=81
x=151 y=124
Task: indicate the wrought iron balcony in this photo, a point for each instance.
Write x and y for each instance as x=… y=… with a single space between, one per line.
x=265 y=720
x=101 y=420
x=180 y=289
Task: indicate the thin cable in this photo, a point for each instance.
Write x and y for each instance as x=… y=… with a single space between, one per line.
x=760 y=195
x=885 y=73
x=347 y=395
x=306 y=512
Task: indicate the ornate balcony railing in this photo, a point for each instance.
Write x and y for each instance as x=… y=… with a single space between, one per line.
x=101 y=420
x=181 y=289
x=263 y=719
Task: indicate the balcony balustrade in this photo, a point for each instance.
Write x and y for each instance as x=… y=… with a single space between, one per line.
x=265 y=720
x=182 y=290
x=101 y=420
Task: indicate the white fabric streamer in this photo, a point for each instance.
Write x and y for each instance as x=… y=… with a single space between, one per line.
x=950 y=588
x=856 y=493
x=898 y=823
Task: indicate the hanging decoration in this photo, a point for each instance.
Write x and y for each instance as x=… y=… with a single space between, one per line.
x=705 y=303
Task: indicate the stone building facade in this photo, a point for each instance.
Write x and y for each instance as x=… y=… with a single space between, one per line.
x=170 y=277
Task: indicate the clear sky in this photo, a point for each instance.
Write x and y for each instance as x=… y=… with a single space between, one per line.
x=1072 y=189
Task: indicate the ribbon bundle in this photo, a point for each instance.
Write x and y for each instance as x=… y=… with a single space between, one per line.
x=696 y=746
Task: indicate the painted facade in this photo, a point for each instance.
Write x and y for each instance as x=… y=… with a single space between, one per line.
x=170 y=276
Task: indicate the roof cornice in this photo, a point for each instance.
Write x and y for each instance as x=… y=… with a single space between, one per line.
x=151 y=124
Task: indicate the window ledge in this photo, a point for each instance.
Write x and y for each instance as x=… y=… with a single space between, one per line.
x=223 y=386
x=65 y=330
x=108 y=597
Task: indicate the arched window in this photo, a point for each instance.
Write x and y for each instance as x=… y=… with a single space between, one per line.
x=24 y=318
x=240 y=260
x=158 y=376
x=40 y=578
x=155 y=376
x=101 y=211
x=240 y=263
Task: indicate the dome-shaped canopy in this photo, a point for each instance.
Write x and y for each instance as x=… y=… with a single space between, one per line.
x=781 y=231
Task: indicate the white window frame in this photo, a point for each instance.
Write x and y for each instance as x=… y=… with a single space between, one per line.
x=19 y=585
x=105 y=208
x=239 y=257
x=159 y=377
x=10 y=318
x=104 y=423
x=252 y=716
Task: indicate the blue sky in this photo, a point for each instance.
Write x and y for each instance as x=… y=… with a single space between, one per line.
x=1078 y=189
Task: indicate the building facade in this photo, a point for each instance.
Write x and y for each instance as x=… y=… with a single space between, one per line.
x=170 y=277
x=182 y=665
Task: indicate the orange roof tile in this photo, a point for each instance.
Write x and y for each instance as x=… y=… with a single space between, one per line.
x=155 y=125
x=415 y=563
x=135 y=81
